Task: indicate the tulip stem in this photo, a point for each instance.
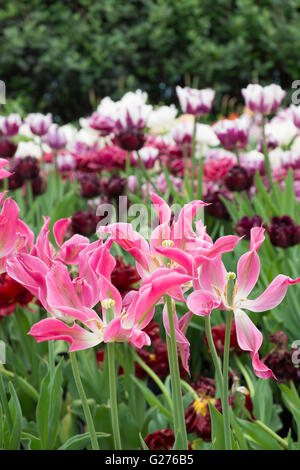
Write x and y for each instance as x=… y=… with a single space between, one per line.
x=225 y=394
x=85 y=406
x=266 y=156
x=213 y=352
x=178 y=409
x=113 y=395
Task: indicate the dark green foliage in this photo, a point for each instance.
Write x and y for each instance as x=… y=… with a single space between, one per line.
x=58 y=56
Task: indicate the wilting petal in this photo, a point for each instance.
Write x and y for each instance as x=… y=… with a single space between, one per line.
x=180 y=257
x=223 y=245
x=130 y=241
x=272 y=296
x=250 y=339
x=202 y=302
x=59 y=230
x=8 y=227
x=30 y=272
x=212 y=276
x=53 y=329
x=162 y=208
x=183 y=229
x=25 y=231
x=71 y=249
x=248 y=268
x=256 y=237
x=139 y=339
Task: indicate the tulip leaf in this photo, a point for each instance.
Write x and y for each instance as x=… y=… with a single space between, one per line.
x=80 y=441
x=16 y=416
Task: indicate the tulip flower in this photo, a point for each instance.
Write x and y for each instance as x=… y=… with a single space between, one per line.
x=56 y=137
x=3 y=173
x=15 y=236
x=9 y=125
x=215 y=292
x=233 y=134
x=39 y=123
x=75 y=300
x=193 y=101
x=264 y=100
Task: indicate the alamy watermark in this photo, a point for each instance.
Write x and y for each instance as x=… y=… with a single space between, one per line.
x=296 y=353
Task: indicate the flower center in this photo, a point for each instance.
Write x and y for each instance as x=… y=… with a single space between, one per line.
x=108 y=303
x=168 y=243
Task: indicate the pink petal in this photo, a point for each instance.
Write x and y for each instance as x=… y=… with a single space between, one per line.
x=202 y=302
x=53 y=329
x=59 y=230
x=213 y=275
x=250 y=339
x=180 y=257
x=162 y=208
x=256 y=237
x=248 y=268
x=272 y=296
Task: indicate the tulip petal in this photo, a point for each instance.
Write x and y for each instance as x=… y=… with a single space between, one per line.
x=53 y=329
x=202 y=302
x=248 y=268
x=250 y=339
x=272 y=296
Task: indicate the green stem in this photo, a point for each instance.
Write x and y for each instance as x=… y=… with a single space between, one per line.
x=113 y=395
x=225 y=394
x=266 y=155
x=246 y=375
x=155 y=378
x=213 y=352
x=178 y=409
x=85 y=406
x=146 y=175
x=272 y=433
x=4 y=401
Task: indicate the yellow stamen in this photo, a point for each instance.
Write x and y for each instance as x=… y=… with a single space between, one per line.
x=152 y=357
x=200 y=407
x=168 y=243
x=108 y=303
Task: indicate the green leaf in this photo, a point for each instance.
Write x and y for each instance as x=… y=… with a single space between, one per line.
x=16 y=416
x=143 y=443
x=217 y=430
x=80 y=441
x=152 y=399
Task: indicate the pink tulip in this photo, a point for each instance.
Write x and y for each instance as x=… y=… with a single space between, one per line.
x=3 y=173
x=15 y=236
x=213 y=293
x=73 y=300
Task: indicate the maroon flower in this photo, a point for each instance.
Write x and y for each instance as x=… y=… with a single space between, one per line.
x=238 y=178
x=284 y=232
x=280 y=359
x=114 y=187
x=89 y=185
x=7 y=148
x=216 y=206
x=15 y=180
x=28 y=168
x=130 y=139
x=39 y=185
x=218 y=334
x=161 y=440
x=124 y=276
x=84 y=222
x=11 y=294
x=197 y=417
x=244 y=225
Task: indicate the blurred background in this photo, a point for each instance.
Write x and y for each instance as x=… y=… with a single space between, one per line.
x=64 y=57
